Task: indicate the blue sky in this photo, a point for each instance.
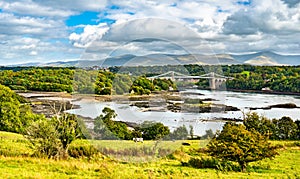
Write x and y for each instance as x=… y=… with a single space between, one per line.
x=44 y=31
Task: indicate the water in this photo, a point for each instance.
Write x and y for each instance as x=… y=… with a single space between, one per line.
x=243 y=101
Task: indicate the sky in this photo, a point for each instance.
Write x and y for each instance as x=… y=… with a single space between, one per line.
x=64 y=30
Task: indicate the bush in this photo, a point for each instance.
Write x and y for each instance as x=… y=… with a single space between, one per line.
x=52 y=137
x=44 y=138
x=82 y=151
x=203 y=163
x=213 y=163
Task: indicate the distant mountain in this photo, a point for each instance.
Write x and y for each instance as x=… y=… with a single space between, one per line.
x=260 y=58
x=262 y=61
x=273 y=57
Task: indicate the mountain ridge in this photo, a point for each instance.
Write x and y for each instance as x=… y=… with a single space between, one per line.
x=259 y=58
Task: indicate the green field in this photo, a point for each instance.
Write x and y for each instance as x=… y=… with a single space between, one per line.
x=16 y=162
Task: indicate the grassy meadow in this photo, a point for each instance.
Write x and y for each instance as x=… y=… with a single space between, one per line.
x=16 y=161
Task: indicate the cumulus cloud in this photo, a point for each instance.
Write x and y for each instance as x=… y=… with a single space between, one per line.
x=272 y=17
x=148 y=36
x=89 y=34
x=149 y=28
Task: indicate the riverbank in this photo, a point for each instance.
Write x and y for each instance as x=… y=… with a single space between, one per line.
x=264 y=92
x=49 y=103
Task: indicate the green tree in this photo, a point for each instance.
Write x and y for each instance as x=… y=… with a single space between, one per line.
x=179 y=133
x=154 y=130
x=209 y=134
x=286 y=128
x=142 y=85
x=191 y=131
x=264 y=126
x=52 y=137
x=237 y=144
x=9 y=111
x=15 y=114
x=68 y=129
x=106 y=128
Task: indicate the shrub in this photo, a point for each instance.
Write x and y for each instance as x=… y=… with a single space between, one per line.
x=82 y=151
x=213 y=163
x=203 y=162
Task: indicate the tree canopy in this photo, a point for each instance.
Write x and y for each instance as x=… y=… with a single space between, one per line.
x=15 y=114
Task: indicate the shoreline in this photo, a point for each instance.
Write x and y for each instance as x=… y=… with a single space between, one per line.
x=43 y=102
x=254 y=91
x=264 y=92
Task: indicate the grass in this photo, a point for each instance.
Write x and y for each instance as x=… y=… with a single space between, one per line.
x=14 y=145
x=15 y=162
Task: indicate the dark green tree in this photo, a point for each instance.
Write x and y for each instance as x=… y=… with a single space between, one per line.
x=154 y=130
x=179 y=133
x=209 y=134
x=286 y=128
x=191 y=131
x=237 y=144
x=264 y=126
x=106 y=128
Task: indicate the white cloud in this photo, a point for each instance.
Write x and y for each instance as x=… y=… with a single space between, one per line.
x=147 y=36
x=75 y=5
x=33 y=53
x=89 y=34
x=269 y=16
x=11 y=24
x=27 y=7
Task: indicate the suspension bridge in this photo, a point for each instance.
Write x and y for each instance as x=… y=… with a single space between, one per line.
x=215 y=80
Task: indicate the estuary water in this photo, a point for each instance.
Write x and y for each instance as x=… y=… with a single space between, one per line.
x=200 y=121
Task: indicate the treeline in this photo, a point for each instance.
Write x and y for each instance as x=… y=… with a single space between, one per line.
x=106 y=128
x=276 y=129
x=277 y=78
x=246 y=77
x=81 y=81
x=38 y=79
x=120 y=80
x=108 y=83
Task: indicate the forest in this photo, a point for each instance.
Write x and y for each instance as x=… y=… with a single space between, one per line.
x=120 y=80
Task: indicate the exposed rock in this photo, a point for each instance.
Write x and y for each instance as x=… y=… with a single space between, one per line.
x=286 y=105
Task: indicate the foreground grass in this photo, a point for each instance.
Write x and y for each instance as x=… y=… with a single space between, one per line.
x=15 y=162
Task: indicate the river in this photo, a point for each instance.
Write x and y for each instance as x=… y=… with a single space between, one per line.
x=199 y=121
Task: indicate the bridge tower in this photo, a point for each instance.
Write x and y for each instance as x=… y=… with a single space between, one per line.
x=173 y=76
x=212 y=81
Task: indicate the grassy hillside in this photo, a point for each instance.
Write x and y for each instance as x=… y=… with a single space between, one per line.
x=16 y=162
